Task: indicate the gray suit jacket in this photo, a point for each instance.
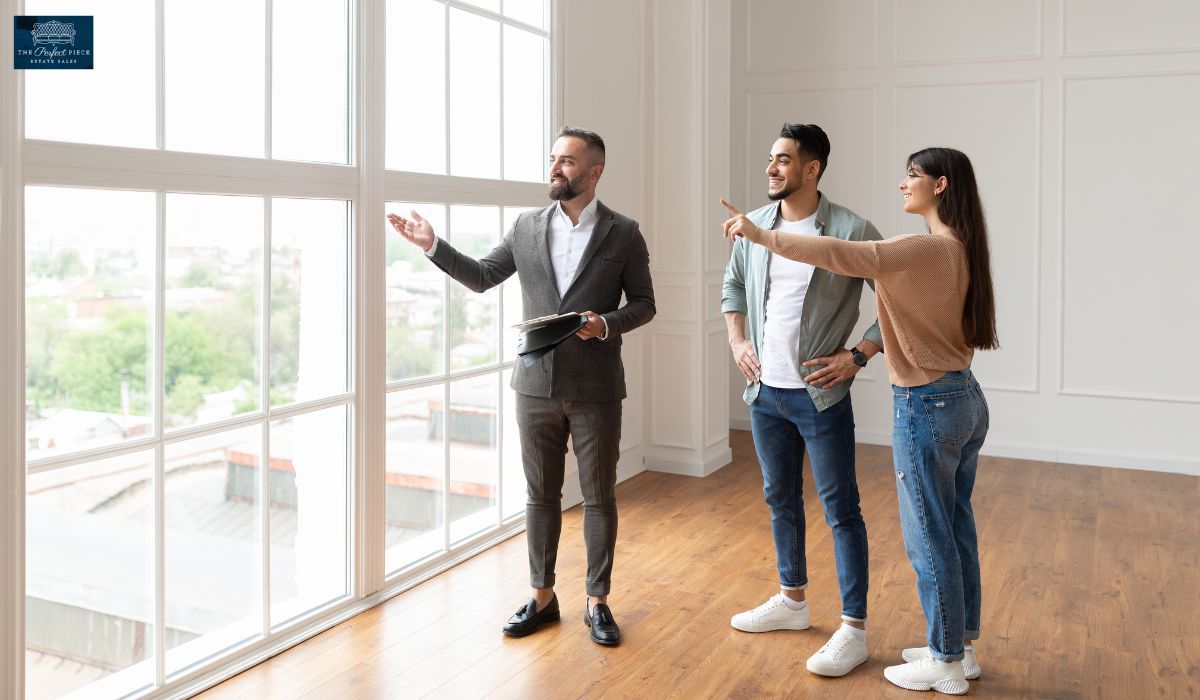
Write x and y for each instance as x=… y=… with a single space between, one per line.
x=614 y=260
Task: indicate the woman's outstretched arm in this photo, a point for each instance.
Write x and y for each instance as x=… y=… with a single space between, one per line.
x=869 y=259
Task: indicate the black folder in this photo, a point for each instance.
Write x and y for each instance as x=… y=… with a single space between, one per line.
x=541 y=335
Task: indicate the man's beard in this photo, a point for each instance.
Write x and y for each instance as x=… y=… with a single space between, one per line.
x=565 y=190
x=781 y=194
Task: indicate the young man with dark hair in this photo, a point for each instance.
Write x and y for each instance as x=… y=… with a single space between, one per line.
x=798 y=372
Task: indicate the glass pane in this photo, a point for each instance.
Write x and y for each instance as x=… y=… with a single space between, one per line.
x=309 y=475
x=89 y=279
x=215 y=95
x=89 y=578
x=112 y=104
x=416 y=86
x=310 y=345
x=473 y=455
x=474 y=95
x=514 y=311
x=415 y=478
x=474 y=232
x=527 y=11
x=513 y=494
x=416 y=300
x=310 y=108
x=524 y=105
x=213 y=544
x=214 y=302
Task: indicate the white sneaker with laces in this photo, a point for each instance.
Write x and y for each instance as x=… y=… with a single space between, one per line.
x=970 y=663
x=840 y=655
x=927 y=673
x=770 y=616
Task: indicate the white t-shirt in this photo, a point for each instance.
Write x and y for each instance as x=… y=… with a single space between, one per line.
x=787 y=283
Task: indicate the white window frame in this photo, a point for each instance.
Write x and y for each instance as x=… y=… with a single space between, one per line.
x=367 y=186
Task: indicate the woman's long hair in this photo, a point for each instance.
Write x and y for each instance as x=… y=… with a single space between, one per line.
x=959 y=208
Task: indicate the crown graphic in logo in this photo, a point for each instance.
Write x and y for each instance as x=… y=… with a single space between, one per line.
x=53 y=32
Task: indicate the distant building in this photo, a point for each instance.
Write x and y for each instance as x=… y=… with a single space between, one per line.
x=71 y=429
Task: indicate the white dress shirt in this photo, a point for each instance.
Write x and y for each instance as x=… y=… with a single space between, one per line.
x=567 y=242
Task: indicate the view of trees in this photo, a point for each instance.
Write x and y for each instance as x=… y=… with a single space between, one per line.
x=208 y=349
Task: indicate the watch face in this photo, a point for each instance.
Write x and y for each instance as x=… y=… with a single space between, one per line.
x=860 y=359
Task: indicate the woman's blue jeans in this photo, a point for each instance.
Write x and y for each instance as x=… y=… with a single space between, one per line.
x=938 y=431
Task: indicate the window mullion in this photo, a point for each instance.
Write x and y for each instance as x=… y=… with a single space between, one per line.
x=352 y=94
x=500 y=84
x=264 y=460
x=446 y=370
x=160 y=76
x=446 y=115
x=268 y=50
x=159 y=418
x=370 y=414
x=500 y=375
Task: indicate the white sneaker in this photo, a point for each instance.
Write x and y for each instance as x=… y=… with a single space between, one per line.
x=771 y=615
x=970 y=663
x=840 y=655
x=927 y=673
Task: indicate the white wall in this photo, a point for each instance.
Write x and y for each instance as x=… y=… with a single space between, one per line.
x=600 y=82
x=1081 y=117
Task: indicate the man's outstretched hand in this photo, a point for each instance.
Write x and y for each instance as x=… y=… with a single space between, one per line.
x=417 y=231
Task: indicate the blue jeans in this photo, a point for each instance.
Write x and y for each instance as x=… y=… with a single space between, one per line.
x=784 y=422
x=939 y=428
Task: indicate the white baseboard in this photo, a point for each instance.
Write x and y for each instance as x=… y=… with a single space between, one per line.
x=688 y=467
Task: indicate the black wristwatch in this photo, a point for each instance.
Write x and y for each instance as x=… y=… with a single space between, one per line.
x=859 y=358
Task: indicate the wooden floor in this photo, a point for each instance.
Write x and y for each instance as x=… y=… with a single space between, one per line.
x=1091 y=589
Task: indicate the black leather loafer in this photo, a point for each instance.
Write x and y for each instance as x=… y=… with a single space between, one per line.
x=527 y=619
x=603 y=627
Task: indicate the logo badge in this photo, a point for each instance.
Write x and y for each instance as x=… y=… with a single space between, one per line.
x=59 y=42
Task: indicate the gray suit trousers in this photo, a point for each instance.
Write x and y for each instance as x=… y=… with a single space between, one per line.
x=595 y=431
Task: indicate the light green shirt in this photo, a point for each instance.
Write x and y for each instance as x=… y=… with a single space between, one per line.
x=830 y=305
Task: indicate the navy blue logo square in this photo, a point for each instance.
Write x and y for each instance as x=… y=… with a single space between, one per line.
x=53 y=42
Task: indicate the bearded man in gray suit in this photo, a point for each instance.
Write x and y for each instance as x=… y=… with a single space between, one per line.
x=575 y=254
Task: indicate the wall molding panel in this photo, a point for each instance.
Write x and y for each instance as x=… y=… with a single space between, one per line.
x=965 y=16
x=1118 y=28
x=688 y=169
x=1174 y=148
x=815 y=12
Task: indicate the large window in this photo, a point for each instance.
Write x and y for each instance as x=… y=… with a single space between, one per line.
x=467 y=96
x=222 y=90
x=467 y=92
x=201 y=332
x=151 y=405
x=453 y=455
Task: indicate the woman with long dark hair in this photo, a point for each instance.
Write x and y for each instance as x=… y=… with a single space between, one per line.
x=936 y=307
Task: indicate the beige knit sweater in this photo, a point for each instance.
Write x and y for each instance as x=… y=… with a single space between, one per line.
x=920 y=288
